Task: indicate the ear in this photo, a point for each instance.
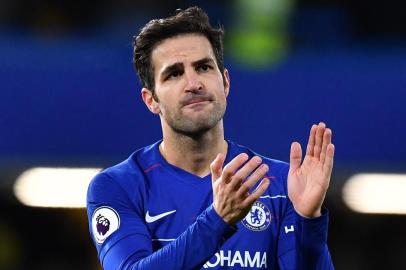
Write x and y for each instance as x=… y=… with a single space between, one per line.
x=149 y=101
x=226 y=82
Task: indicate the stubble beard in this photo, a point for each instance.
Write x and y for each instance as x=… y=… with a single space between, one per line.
x=195 y=127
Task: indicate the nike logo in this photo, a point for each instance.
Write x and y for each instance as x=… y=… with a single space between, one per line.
x=150 y=219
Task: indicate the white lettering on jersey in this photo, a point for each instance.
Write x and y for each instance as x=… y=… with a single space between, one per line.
x=290 y=229
x=225 y=258
x=255 y=260
x=263 y=261
x=230 y=259
x=213 y=264
x=237 y=259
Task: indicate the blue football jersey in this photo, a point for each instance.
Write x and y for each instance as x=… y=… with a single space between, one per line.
x=145 y=213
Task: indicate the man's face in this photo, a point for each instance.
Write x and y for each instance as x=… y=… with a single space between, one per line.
x=190 y=90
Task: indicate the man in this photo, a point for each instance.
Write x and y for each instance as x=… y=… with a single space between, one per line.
x=195 y=200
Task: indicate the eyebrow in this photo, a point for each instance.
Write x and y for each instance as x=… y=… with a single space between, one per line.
x=200 y=62
x=179 y=66
x=169 y=69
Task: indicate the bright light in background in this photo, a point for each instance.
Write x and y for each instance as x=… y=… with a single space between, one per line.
x=376 y=193
x=54 y=187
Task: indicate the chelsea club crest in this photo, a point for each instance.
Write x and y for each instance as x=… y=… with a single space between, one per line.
x=258 y=218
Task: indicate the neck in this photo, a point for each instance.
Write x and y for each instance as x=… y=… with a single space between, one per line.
x=193 y=154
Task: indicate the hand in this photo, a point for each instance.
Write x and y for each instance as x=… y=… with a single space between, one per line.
x=231 y=197
x=308 y=182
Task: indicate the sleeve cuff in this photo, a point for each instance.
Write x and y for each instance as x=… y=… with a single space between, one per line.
x=315 y=228
x=218 y=224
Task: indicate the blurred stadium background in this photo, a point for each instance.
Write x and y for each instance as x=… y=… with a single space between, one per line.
x=69 y=98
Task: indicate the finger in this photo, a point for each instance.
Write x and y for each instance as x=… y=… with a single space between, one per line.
x=258 y=174
x=215 y=167
x=295 y=156
x=233 y=166
x=326 y=141
x=310 y=144
x=245 y=171
x=262 y=187
x=328 y=164
x=319 y=139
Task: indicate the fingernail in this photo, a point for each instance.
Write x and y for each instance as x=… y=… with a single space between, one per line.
x=244 y=156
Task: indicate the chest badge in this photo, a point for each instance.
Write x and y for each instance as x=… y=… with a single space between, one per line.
x=258 y=218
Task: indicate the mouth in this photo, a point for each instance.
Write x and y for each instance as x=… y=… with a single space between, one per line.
x=196 y=101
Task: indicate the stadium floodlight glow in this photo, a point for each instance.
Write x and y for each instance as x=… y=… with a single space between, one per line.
x=54 y=187
x=376 y=193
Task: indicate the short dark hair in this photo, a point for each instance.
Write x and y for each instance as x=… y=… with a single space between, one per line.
x=191 y=20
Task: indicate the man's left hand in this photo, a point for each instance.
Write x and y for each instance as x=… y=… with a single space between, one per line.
x=308 y=181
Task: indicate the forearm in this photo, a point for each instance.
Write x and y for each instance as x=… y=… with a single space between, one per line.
x=190 y=250
x=303 y=242
x=314 y=253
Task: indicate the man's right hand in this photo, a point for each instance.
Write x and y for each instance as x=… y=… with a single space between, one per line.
x=231 y=186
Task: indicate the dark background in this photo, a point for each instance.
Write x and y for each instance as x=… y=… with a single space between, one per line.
x=69 y=97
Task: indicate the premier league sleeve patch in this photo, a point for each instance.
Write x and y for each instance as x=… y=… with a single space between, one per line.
x=258 y=218
x=105 y=221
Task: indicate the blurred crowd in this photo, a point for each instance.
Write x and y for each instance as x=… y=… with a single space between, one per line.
x=364 y=18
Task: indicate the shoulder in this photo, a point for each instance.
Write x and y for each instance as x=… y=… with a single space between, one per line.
x=125 y=176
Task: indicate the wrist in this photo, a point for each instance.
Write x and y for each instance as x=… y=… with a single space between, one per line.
x=226 y=218
x=313 y=214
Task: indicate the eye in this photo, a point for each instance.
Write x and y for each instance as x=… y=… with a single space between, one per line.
x=173 y=75
x=204 y=68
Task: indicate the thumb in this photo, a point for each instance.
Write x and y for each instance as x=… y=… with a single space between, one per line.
x=295 y=156
x=215 y=167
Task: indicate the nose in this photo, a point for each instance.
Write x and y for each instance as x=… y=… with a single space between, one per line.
x=193 y=82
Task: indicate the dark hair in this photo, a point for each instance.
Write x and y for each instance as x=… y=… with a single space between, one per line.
x=191 y=20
